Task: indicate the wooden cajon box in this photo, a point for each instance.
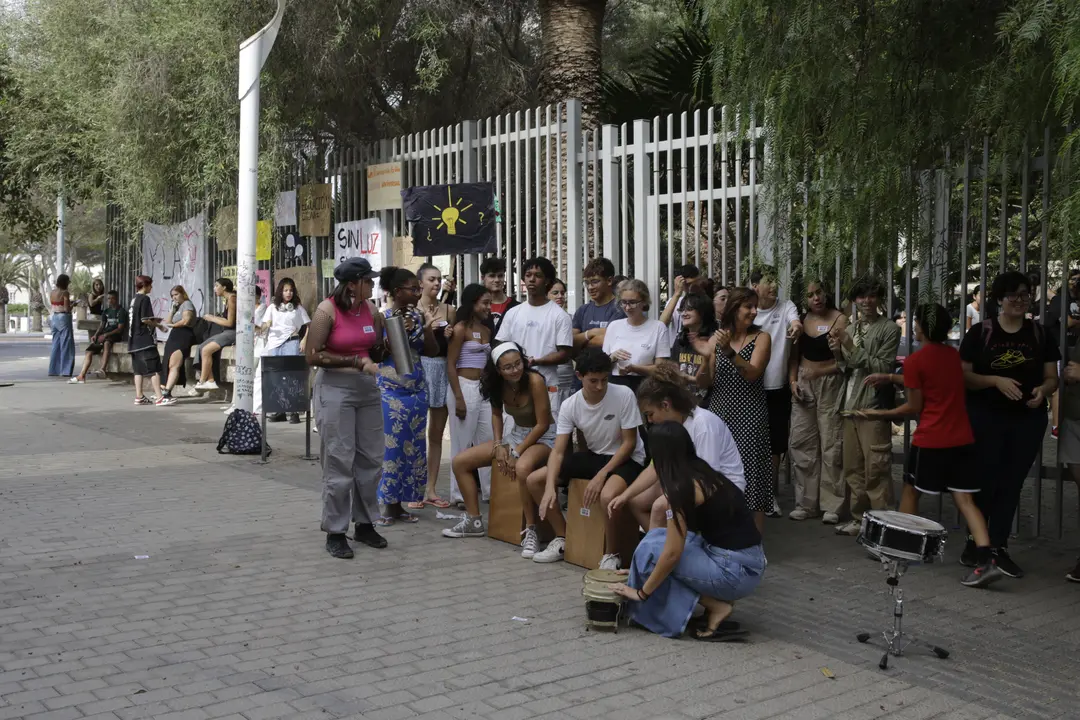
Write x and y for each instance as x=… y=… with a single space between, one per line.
x=506 y=518
x=584 y=528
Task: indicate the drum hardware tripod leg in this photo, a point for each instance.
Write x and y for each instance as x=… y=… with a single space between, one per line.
x=895 y=638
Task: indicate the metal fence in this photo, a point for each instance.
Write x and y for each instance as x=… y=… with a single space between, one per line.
x=653 y=194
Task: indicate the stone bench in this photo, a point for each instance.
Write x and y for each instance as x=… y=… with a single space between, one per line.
x=120 y=364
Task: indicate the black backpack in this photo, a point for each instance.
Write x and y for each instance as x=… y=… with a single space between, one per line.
x=242 y=435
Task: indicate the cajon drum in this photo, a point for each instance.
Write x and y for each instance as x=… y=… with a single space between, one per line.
x=506 y=517
x=584 y=528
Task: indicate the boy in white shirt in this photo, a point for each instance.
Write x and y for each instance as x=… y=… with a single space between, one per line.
x=540 y=326
x=608 y=418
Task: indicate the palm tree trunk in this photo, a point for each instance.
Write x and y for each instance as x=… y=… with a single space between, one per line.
x=3 y=318
x=570 y=53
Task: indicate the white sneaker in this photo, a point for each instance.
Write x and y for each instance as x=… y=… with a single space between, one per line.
x=204 y=386
x=229 y=410
x=801 y=514
x=851 y=528
x=775 y=512
x=611 y=561
x=830 y=518
x=530 y=543
x=553 y=552
x=76 y=381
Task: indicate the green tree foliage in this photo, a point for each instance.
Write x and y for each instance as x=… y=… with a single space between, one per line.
x=862 y=96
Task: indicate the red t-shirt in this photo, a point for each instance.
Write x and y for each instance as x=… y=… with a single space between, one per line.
x=935 y=370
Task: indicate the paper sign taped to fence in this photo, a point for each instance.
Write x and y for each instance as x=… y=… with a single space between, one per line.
x=263 y=235
x=176 y=255
x=285 y=209
x=359 y=238
x=315 y=203
x=262 y=279
x=384 y=186
x=328 y=265
x=229 y=271
x=225 y=227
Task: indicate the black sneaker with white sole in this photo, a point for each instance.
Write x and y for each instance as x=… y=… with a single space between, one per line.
x=1074 y=574
x=338 y=546
x=1006 y=564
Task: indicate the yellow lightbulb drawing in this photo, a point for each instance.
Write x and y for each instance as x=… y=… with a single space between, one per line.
x=450 y=216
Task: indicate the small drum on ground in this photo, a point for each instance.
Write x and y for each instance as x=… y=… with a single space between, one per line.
x=602 y=606
x=900 y=536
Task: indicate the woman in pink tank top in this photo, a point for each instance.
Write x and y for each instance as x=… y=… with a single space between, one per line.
x=345 y=342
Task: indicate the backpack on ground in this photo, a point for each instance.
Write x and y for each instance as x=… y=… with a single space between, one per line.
x=242 y=435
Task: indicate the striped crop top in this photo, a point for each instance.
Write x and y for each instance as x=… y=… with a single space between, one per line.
x=473 y=355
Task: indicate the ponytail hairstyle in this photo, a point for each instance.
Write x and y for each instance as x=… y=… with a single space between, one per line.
x=666 y=383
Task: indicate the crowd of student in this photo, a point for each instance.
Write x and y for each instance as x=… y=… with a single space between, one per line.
x=680 y=422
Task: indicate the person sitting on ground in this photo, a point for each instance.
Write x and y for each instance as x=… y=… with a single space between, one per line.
x=940 y=458
x=608 y=418
x=223 y=288
x=664 y=398
x=709 y=552
x=114 y=322
x=522 y=392
x=179 y=324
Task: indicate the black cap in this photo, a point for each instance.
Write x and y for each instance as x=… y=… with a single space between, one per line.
x=354 y=268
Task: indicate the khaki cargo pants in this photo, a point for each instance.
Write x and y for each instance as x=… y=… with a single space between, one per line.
x=868 y=465
x=815 y=444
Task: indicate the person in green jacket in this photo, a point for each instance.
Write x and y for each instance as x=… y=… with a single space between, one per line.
x=866 y=347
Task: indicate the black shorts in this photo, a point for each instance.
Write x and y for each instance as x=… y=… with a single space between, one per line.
x=146 y=362
x=779 y=404
x=586 y=464
x=937 y=470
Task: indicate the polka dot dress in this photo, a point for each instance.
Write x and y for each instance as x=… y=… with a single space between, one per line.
x=741 y=404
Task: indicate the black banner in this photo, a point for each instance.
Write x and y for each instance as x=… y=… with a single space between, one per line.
x=451 y=219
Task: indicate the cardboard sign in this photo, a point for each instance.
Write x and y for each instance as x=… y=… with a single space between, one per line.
x=316 y=202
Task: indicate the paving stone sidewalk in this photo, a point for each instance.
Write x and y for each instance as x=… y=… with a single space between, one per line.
x=238 y=612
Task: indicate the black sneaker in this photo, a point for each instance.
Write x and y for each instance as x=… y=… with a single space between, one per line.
x=1006 y=564
x=1074 y=576
x=367 y=534
x=969 y=558
x=338 y=546
x=276 y=417
x=294 y=419
x=983 y=576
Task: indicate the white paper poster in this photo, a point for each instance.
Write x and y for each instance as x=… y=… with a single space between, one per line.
x=176 y=255
x=285 y=209
x=360 y=238
x=384 y=186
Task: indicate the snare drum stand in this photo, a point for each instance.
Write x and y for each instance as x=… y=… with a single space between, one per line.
x=896 y=640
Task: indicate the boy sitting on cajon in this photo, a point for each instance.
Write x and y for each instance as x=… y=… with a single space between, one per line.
x=608 y=417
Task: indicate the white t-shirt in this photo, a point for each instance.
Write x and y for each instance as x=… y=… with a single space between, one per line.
x=283 y=324
x=775 y=321
x=645 y=343
x=676 y=316
x=602 y=424
x=973 y=314
x=540 y=331
x=715 y=445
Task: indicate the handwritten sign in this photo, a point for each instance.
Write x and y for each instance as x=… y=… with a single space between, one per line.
x=263 y=236
x=176 y=255
x=285 y=209
x=384 y=186
x=359 y=238
x=315 y=204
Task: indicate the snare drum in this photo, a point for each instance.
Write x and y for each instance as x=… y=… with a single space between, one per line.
x=900 y=536
x=602 y=606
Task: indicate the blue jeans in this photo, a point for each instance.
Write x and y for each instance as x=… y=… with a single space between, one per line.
x=703 y=569
x=289 y=347
x=62 y=354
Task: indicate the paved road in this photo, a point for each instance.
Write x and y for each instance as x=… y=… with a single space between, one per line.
x=142 y=575
x=23 y=359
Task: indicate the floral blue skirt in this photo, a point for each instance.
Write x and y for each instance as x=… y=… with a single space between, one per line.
x=703 y=569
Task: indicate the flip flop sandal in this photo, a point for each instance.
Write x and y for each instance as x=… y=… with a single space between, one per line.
x=415 y=505
x=437 y=502
x=407 y=518
x=725 y=626
x=384 y=521
x=706 y=635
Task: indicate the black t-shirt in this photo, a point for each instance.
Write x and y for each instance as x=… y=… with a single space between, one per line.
x=712 y=522
x=689 y=361
x=140 y=337
x=112 y=318
x=1018 y=355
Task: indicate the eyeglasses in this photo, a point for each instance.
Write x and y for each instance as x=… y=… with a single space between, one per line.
x=630 y=303
x=595 y=282
x=513 y=367
x=1021 y=297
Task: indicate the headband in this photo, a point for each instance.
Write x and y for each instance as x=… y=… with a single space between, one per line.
x=502 y=349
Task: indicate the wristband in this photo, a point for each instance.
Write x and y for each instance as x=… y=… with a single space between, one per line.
x=642 y=595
